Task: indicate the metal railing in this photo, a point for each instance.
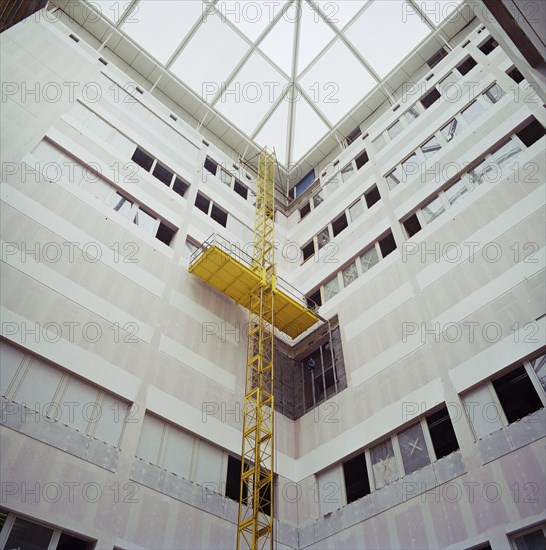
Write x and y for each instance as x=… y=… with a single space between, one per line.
x=234 y=251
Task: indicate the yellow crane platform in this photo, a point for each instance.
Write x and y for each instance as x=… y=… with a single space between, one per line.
x=233 y=272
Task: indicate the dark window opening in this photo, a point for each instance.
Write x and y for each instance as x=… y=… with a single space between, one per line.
x=467 y=65
x=372 y=196
x=340 y=224
x=531 y=133
x=165 y=234
x=354 y=135
x=27 y=534
x=488 y=46
x=308 y=250
x=217 y=214
x=387 y=244
x=241 y=189
x=103 y=61
x=142 y=159
x=357 y=484
x=74 y=37
x=412 y=225
x=211 y=166
x=233 y=480
x=517 y=394
x=430 y=98
x=180 y=186
x=314 y=300
x=68 y=542
x=442 y=433
x=535 y=540
x=163 y=174
x=437 y=57
x=202 y=203
x=173 y=117
x=139 y=90
x=515 y=75
x=304 y=210
x=361 y=160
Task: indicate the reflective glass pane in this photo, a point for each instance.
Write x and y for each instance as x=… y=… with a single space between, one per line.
x=191 y=247
x=317 y=199
x=315 y=34
x=121 y=204
x=39 y=386
x=331 y=186
x=472 y=112
x=110 y=423
x=146 y=222
x=410 y=167
x=347 y=83
x=98 y=187
x=493 y=94
x=350 y=274
x=339 y=13
x=395 y=129
x=507 y=151
x=451 y=129
x=456 y=191
x=413 y=113
x=356 y=210
x=225 y=177
x=395 y=177
x=433 y=209
x=380 y=142
x=10 y=361
x=246 y=101
x=384 y=465
x=413 y=449
x=323 y=237
x=369 y=259
x=539 y=366
x=347 y=172
x=484 y=172
x=248 y=15
x=331 y=288
x=449 y=82
x=210 y=56
x=431 y=147
x=386 y=32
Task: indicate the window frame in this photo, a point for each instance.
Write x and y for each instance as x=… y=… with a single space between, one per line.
x=488 y=384
x=527 y=531
x=57 y=532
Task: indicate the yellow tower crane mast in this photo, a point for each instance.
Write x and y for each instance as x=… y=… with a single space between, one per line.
x=252 y=282
x=255 y=522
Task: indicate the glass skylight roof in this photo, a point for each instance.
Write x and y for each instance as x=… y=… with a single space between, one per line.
x=284 y=72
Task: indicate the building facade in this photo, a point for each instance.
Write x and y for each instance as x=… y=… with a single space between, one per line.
x=412 y=418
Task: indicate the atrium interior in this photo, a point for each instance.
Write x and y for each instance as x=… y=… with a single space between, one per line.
x=407 y=268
